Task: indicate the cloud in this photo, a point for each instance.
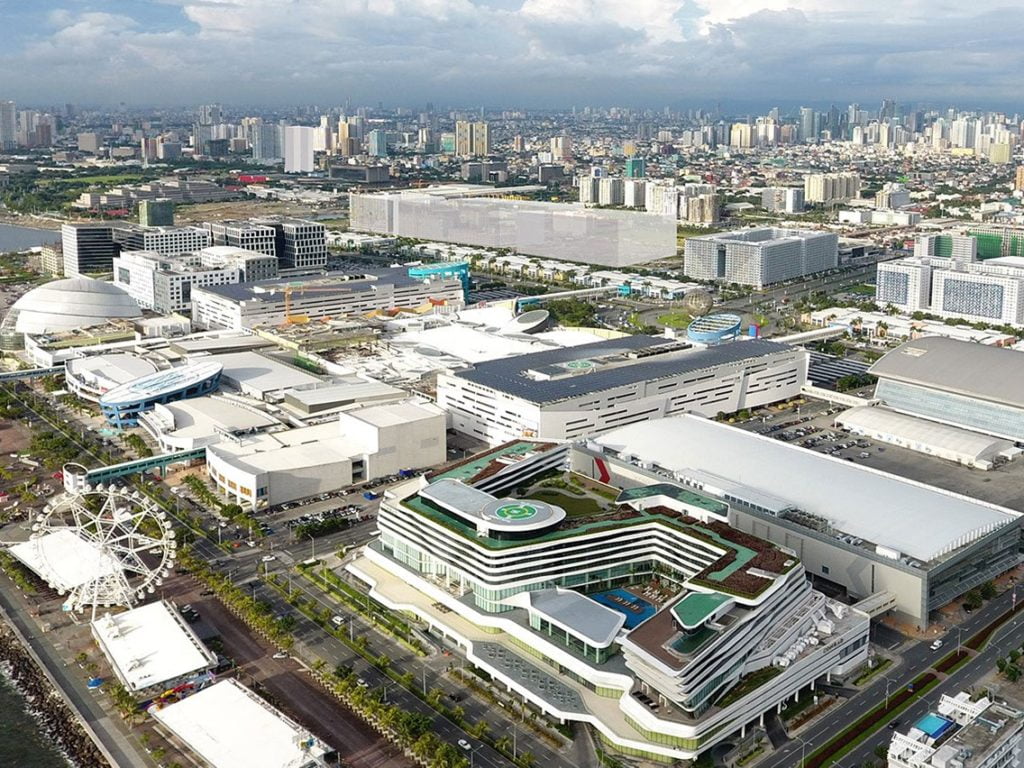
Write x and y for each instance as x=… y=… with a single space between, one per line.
x=525 y=52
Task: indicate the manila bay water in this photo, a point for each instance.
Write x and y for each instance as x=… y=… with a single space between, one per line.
x=13 y=238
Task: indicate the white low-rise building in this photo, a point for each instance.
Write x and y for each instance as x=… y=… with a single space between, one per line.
x=272 y=468
x=589 y=389
x=151 y=647
x=186 y=425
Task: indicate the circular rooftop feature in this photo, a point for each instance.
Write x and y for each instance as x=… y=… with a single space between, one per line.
x=714 y=329
x=64 y=305
x=529 y=322
x=520 y=515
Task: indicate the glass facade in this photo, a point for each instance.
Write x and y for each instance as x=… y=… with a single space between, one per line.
x=981 y=416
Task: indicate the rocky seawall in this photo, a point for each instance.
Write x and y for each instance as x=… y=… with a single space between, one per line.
x=55 y=718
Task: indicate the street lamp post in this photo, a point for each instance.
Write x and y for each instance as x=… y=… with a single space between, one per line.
x=888 y=680
x=312 y=546
x=959 y=633
x=803 y=748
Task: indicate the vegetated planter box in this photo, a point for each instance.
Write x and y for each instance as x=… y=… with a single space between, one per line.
x=867 y=724
x=952 y=660
x=983 y=635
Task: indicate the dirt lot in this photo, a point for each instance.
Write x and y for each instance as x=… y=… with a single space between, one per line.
x=237 y=209
x=289 y=685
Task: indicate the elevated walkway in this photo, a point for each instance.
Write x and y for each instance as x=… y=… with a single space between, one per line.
x=877 y=604
x=137 y=466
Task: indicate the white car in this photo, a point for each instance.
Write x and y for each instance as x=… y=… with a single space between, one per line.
x=280 y=655
x=465 y=744
x=362 y=683
x=268 y=558
x=936 y=645
x=337 y=620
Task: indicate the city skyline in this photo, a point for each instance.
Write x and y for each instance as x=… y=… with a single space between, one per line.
x=534 y=53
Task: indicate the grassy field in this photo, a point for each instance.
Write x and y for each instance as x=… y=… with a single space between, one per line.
x=574 y=506
x=676 y=319
x=113 y=179
x=863 y=289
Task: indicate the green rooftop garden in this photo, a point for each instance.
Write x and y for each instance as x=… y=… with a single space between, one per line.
x=697 y=606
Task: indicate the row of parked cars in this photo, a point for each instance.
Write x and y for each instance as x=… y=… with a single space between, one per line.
x=349 y=510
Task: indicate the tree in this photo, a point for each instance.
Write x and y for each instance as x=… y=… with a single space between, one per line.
x=988 y=590
x=973 y=600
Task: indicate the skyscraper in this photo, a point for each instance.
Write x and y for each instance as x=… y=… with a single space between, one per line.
x=88 y=248
x=472 y=139
x=561 y=148
x=808 y=124
x=8 y=125
x=298 y=148
x=378 y=143
x=636 y=168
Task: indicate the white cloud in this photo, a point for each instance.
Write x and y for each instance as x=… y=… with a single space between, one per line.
x=530 y=52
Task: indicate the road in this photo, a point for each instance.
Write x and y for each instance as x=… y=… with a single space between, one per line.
x=917 y=658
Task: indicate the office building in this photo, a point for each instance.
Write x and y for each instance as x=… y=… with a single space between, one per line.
x=563 y=394
x=887 y=543
x=167 y=241
x=478 y=216
x=298 y=244
x=472 y=139
x=636 y=168
x=760 y=256
x=1018 y=179
x=809 y=126
x=962 y=732
x=90 y=142
x=299 y=143
x=564 y=612
x=165 y=284
x=87 y=248
x=827 y=188
x=248 y=235
x=8 y=125
x=265 y=140
x=967 y=385
x=377 y=143
x=357 y=446
x=330 y=296
x=156 y=213
x=783 y=200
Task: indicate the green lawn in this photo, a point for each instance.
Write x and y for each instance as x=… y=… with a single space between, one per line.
x=119 y=178
x=574 y=506
x=863 y=289
x=677 y=319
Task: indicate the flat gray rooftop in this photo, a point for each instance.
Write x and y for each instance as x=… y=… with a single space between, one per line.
x=960 y=367
x=910 y=517
x=509 y=375
x=579 y=614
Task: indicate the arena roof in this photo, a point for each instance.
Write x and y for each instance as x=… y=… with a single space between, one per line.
x=150 y=645
x=229 y=726
x=161 y=383
x=938 y=438
x=107 y=371
x=203 y=416
x=74 y=302
x=959 y=367
x=608 y=364
x=910 y=517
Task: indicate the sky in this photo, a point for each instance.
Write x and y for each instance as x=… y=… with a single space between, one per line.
x=513 y=53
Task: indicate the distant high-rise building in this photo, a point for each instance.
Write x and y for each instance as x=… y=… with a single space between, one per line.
x=377 y=141
x=298 y=148
x=561 y=148
x=209 y=114
x=808 y=124
x=156 y=213
x=518 y=144
x=90 y=142
x=831 y=187
x=636 y=168
x=265 y=139
x=88 y=248
x=783 y=199
x=298 y=244
x=1018 y=179
x=472 y=139
x=740 y=135
x=8 y=125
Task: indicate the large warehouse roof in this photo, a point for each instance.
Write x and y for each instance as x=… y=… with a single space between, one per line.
x=74 y=302
x=910 y=517
x=941 y=439
x=229 y=726
x=151 y=645
x=560 y=374
x=961 y=367
x=258 y=374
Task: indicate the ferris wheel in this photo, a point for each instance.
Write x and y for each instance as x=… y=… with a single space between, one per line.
x=122 y=543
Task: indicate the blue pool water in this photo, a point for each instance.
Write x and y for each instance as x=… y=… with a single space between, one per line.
x=629 y=605
x=933 y=725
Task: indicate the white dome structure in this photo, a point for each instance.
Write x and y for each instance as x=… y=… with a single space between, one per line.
x=64 y=305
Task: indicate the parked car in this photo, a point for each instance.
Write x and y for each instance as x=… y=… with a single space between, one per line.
x=936 y=645
x=337 y=620
x=465 y=744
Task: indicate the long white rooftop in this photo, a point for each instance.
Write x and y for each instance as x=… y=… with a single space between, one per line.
x=229 y=726
x=150 y=645
x=65 y=560
x=910 y=517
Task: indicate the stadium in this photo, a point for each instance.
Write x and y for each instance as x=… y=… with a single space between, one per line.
x=122 y=405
